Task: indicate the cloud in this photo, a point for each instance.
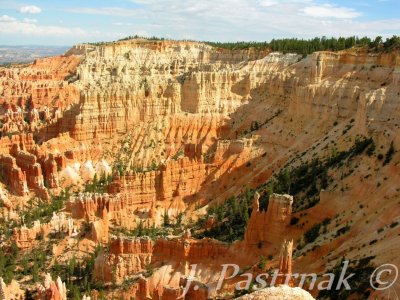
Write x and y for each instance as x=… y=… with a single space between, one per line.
x=223 y=20
x=30 y=9
x=5 y=18
x=122 y=24
x=267 y=3
x=29 y=27
x=330 y=11
x=230 y=20
x=107 y=11
x=28 y=20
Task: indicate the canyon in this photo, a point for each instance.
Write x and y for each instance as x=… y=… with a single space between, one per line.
x=120 y=159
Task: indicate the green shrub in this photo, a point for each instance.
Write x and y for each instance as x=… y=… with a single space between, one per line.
x=232 y=217
x=312 y=234
x=294 y=220
x=360 y=282
x=389 y=154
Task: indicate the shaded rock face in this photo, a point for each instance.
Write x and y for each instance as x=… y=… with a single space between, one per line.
x=13 y=175
x=131 y=81
x=271 y=226
x=147 y=80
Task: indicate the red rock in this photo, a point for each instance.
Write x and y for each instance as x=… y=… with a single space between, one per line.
x=269 y=227
x=285 y=264
x=13 y=176
x=52 y=290
x=51 y=171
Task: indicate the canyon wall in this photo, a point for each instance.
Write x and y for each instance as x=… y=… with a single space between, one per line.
x=130 y=256
x=28 y=237
x=126 y=257
x=183 y=125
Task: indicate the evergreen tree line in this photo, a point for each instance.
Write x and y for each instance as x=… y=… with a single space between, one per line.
x=231 y=218
x=307 y=46
x=43 y=211
x=301 y=46
x=8 y=258
x=78 y=275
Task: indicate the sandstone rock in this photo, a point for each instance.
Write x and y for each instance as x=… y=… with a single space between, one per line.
x=87 y=171
x=51 y=171
x=282 y=292
x=146 y=290
x=52 y=290
x=26 y=238
x=269 y=227
x=285 y=264
x=130 y=256
x=11 y=292
x=100 y=230
x=126 y=257
x=69 y=177
x=190 y=250
x=4 y=199
x=103 y=168
x=13 y=175
x=91 y=205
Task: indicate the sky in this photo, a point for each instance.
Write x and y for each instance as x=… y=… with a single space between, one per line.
x=56 y=22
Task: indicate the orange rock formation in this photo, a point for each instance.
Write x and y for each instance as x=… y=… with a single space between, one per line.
x=186 y=125
x=12 y=291
x=51 y=290
x=285 y=264
x=269 y=227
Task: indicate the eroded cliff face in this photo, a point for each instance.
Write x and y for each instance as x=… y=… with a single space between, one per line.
x=269 y=228
x=173 y=128
x=125 y=257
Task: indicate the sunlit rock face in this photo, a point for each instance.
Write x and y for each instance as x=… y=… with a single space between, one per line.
x=281 y=292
